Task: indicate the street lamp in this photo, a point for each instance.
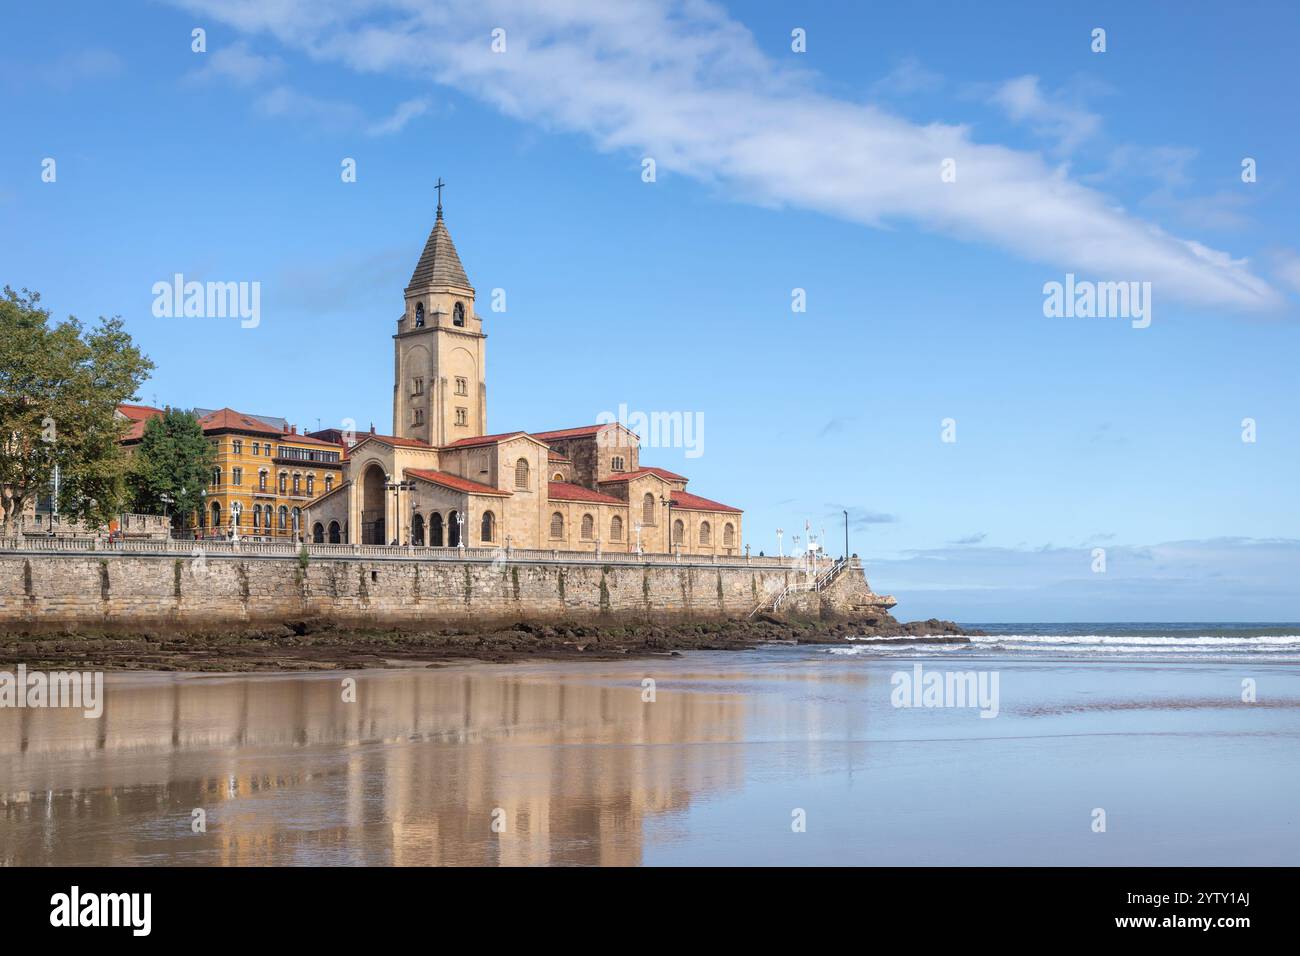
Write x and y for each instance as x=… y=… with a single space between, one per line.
x=666 y=504
x=780 y=550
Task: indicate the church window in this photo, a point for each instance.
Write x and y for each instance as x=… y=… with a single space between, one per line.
x=487 y=530
x=706 y=533
x=417 y=385
x=462 y=385
x=616 y=528
x=648 y=509
x=588 y=527
x=616 y=463
x=679 y=531
x=521 y=473
x=557 y=525
x=458 y=314
x=557 y=477
x=417 y=416
x=462 y=416
x=419 y=315
x=728 y=535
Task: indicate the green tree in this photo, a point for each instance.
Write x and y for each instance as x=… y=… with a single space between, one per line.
x=171 y=466
x=60 y=386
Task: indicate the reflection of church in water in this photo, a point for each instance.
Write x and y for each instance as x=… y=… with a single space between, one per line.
x=441 y=481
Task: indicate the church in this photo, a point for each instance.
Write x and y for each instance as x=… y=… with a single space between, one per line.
x=440 y=480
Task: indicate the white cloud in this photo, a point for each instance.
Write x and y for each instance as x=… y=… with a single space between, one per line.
x=235 y=64
x=682 y=82
x=1024 y=102
x=907 y=78
x=404 y=113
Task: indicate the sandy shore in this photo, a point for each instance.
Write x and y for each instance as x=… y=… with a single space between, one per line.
x=316 y=645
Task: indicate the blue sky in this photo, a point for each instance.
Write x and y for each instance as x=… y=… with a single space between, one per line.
x=775 y=170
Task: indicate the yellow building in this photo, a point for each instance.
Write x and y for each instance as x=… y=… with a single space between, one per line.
x=264 y=473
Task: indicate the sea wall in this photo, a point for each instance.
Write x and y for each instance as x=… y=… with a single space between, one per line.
x=116 y=590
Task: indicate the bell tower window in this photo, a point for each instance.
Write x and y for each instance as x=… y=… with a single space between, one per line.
x=419 y=315
x=458 y=314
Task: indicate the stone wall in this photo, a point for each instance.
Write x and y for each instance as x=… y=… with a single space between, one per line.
x=128 y=590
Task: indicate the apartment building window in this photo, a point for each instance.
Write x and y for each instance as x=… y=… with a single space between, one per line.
x=297 y=483
x=462 y=385
x=311 y=484
x=257 y=448
x=237 y=446
x=329 y=483
x=236 y=476
x=216 y=477
x=284 y=483
x=261 y=480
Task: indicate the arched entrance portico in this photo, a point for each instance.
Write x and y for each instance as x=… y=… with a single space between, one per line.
x=435 y=530
x=417 y=530
x=335 y=537
x=318 y=533
x=453 y=530
x=372 y=506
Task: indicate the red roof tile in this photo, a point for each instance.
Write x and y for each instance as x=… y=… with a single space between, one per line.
x=483 y=440
x=556 y=456
x=455 y=482
x=139 y=413
x=231 y=420
x=663 y=473
x=582 y=431
x=563 y=491
x=392 y=440
x=689 y=502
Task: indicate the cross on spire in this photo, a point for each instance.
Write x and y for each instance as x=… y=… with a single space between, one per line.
x=438 y=186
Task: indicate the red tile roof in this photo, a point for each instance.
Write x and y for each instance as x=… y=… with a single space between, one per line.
x=483 y=440
x=563 y=491
x=139 y=413
x=663 y=473
x=556 y=456
x=293 y=437
x=392 y=440
x=231 y=420
x=689 y=502
x=455 y=482
x=583 y=431
x=138 y=416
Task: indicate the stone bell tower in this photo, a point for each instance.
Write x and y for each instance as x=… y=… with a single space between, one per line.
x=439 y=383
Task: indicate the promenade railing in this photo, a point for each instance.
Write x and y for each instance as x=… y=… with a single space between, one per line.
x=214 y=547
